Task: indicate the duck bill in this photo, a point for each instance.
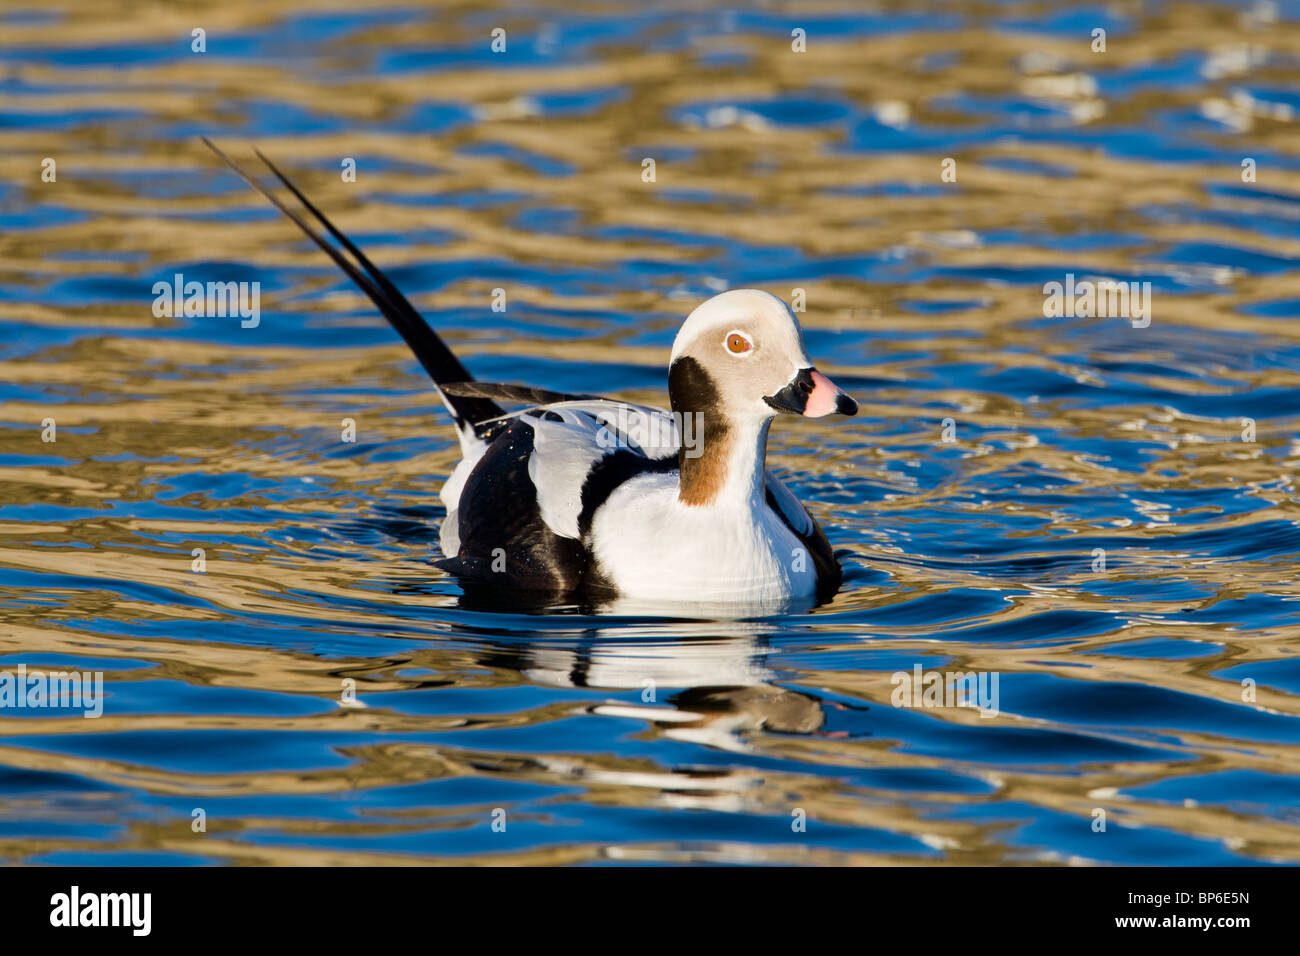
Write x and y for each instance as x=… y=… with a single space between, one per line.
x=812 y=395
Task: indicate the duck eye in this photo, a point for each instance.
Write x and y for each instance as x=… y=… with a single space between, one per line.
x=738 y=343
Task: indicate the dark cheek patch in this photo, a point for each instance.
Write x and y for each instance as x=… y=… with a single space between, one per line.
x=691 y=390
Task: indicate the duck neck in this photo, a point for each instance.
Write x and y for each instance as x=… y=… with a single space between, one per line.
x=722 y=457
x=726 y=465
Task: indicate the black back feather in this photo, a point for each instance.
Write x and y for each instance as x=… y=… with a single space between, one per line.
x=517 y=394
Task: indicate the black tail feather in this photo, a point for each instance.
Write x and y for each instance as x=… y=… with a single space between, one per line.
x=438 y=360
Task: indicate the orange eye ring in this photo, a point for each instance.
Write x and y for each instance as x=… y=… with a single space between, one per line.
x=738 y=343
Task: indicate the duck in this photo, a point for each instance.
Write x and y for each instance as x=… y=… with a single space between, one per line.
x=583 y=498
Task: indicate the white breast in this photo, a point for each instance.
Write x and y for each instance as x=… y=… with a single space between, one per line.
x=653 y=547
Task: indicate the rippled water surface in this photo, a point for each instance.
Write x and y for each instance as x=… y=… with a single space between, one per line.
x=655 y=737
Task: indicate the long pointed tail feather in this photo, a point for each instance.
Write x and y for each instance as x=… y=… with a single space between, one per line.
x=438 y=360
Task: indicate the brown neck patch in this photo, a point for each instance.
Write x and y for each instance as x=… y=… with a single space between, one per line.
x=690 y=391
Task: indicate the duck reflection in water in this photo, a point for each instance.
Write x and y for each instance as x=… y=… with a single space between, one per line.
x=715 y=690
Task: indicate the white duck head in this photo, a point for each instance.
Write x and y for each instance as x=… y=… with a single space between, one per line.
x=737 y=362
